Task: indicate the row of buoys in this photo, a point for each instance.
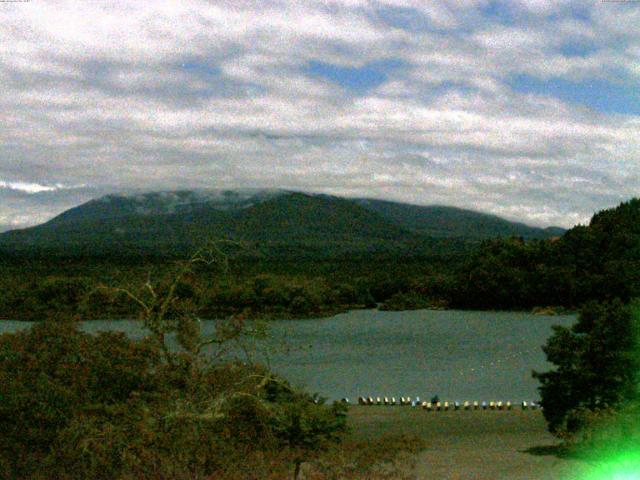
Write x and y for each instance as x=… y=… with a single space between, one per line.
x=402 y=401
x=382 y=401
x=444 y=406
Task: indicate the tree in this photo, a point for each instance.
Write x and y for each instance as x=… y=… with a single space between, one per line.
x=79 y=406
x=597 y=365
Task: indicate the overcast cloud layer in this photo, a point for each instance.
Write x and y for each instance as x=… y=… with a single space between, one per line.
x=527 y=109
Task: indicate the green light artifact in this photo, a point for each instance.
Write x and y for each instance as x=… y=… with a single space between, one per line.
x=621 y=466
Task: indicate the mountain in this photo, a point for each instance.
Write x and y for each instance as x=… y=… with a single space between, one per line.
x=293 y=222
x=440 y=221
x=164 y=203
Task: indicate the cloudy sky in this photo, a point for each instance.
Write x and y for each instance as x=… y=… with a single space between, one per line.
x=528 y=109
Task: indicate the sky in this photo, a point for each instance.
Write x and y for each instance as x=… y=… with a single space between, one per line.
x=527 y=109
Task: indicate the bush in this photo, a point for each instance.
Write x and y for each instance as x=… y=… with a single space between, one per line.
x=77 y=406
x=51 y=372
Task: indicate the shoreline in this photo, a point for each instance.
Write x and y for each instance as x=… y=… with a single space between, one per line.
x=538 y=311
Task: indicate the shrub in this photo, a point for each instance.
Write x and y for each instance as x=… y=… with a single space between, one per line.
x=51 y=372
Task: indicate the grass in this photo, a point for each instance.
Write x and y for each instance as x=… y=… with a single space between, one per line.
x=479 y=445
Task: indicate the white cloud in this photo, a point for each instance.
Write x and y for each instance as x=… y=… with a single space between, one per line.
x=26 y=187
x=196 y=93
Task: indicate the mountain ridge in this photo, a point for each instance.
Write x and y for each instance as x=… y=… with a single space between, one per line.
x=184 y=217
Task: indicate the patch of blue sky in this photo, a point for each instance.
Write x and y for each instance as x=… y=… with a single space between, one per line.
x=505 y=12
x=405 y=18
x=500 y=12
x=577 y=49
x=581 y=12
x=596 y=94
x=215 y=84
x=356 y=79
x=199 y=67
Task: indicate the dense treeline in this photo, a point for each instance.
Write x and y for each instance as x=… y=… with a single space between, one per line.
x=35 y=289
x=600 y=261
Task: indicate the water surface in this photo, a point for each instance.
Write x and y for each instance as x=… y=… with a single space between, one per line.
x=458 y=355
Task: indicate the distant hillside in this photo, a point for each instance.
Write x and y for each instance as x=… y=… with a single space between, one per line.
x=439 y=221
x=164 y=203
x=289 y=221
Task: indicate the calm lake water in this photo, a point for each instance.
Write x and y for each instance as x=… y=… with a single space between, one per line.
x=459 y=355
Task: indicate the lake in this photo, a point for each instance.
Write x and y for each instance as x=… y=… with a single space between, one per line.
x=458 y=355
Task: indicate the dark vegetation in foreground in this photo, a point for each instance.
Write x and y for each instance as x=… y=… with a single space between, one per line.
x=79 y=406
x=591 y=397
x=599 y=262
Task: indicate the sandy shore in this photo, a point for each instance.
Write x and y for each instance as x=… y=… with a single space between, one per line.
x=470 y=445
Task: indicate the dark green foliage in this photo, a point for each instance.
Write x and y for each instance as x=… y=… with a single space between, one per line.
x=265 y=289
x=407 y=301
x=597 y=365
x=596 y=262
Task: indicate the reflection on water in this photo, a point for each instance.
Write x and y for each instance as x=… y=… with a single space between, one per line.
x=459 y=355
